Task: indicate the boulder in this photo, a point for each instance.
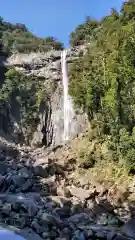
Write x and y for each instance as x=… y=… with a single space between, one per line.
x=36 y=227
x=107 y=219
x=120 y=237
x=18 y=220
x=80 y=193
x=66 y=233
x=46 y=218
x=29 y=234
x=30 y=207
x=6 y=209
x=129 y=228
x=111 y=235
x=100 y=234
x=37 y=139
x=63 y=191
x=2 y=178
x=80 y=218
x=4 y=168
x=27 y=185
x=41 y=171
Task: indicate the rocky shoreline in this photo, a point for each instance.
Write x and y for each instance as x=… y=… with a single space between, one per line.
x=38 y=198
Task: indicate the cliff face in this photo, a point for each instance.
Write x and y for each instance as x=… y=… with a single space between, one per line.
x=47 y=68
x=43 y=65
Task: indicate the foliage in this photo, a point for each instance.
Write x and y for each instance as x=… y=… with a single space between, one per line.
x=103 y=81
x=86 y=159
x=26 y=94
x=83 y=32
x=16 y=37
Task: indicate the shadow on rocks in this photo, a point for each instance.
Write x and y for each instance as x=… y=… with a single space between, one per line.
x=32 y=202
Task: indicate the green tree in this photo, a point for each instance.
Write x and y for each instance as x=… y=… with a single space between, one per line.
x=16 y=37
x=103 y=81
x=83 y=32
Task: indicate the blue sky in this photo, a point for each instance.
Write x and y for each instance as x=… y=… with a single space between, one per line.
x=55 y=18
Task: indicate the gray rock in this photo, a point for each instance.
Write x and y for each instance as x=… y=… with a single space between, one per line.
x=123 y=214
x=37 y=139
x=51 y=169
x=129 y=228
x=53 y=234
x=27 y=185
x=29 y=234
x=18 y=220
x=66 y=233
x=6 y=209
x=63 y=191
x=80 y=218
x=3 y=168
x=41 y=161
x=88 y=233
x=102 y=201
x=2 y=178
x=81 y=237
x=41 y=171
x=120 y=237
x=38 y=229
x=107 y=219
x=16 y=206
x=1 y=203
x=100 y=235
x=2 y=157
x=76 y=234
x=30 y=207
x=111 y=235
x=45 y=218
x=18 y=181
x=60 y=238
x=46 y=235
x=25 y=173
x=82 y=194
x=113 y=220
x=52 y=188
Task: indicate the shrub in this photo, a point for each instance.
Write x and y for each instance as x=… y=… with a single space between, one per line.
x=25 y=93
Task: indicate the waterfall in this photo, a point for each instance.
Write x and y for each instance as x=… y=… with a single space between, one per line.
x=68 y=108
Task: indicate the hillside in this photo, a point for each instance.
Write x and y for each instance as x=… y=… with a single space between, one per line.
x=17 y=38
x=103 y=82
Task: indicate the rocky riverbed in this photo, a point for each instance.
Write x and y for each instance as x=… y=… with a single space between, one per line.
x=39 y=199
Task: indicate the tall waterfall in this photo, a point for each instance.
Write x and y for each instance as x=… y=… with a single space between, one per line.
x=68 y=108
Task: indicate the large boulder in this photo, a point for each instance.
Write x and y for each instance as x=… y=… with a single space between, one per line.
x=129 y=228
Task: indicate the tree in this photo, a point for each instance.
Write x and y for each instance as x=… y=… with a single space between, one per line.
x=83 y=32
x=16 y=37
x=103 y=81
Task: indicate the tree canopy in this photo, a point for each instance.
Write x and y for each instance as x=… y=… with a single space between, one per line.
x=103 y=81
x=16 y=37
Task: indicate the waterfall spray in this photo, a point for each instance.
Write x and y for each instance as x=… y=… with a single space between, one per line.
x=67 y=101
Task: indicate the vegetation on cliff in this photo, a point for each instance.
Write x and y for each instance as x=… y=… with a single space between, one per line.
x=22 y=97
x=16 y=37
x=103 y=81
x=21 y=100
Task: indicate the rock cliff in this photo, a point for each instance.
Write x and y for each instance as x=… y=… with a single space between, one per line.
x=46 y=67
x=43 y=65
